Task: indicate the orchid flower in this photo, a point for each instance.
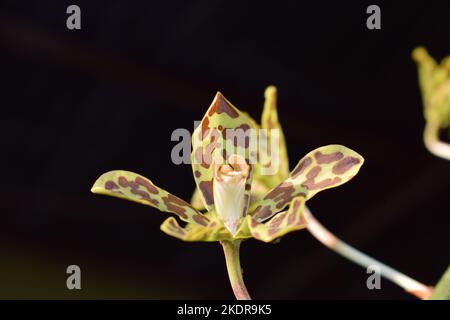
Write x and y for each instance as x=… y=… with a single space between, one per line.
x=241 y=201
x=434 y=80
x=262 y=184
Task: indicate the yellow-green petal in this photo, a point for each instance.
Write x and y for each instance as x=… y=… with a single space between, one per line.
x=197 y=200
x=134 y=187
x=323 y=168
x=213 y=231
x=209 y=142
x=434 y=81
x=269 y=122
x=281 y=224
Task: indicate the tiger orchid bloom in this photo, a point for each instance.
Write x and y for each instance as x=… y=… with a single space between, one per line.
x=240 y=200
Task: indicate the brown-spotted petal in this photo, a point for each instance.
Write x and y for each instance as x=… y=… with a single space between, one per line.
x=223 y=132
x=134 y=187
x=281 y=224
x=323 y=168
x=213 y=231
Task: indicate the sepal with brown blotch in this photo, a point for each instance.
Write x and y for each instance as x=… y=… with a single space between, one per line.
x=214 y=231
x=210 y=142
x=323 y=168
x=134 y=187
x=281 y=224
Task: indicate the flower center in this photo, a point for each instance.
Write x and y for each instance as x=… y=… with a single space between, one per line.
x=229 y=190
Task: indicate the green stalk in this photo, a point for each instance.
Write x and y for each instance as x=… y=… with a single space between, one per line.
x=231 y=251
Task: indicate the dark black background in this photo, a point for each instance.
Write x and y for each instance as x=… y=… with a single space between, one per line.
x=78 y=103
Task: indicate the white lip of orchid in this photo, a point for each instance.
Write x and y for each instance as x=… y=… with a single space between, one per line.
x=229 y=189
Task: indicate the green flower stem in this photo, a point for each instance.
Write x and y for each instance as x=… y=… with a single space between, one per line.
x=231 y=251
x=331 y=241
x=432 y=142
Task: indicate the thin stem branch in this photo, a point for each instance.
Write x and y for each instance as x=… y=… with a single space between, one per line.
x=432 y=142
x=331 y=241
x=231 y=251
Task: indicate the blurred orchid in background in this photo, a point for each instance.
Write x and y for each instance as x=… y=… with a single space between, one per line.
x=434 y=81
